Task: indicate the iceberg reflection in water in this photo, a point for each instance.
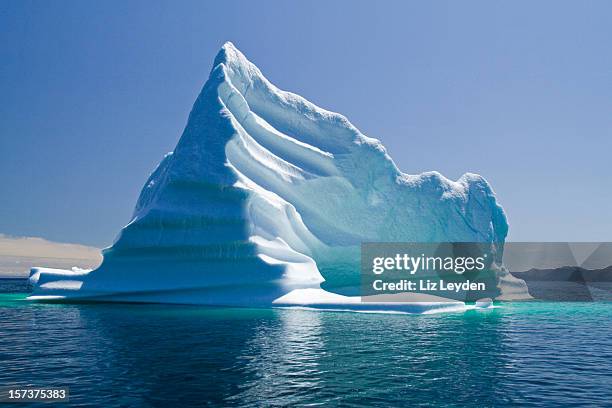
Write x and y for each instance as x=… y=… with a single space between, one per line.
x=517 y=354
x=289 y=352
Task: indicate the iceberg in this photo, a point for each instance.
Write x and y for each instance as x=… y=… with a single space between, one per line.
x=265 y=201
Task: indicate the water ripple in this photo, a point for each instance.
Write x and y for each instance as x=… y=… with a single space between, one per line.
x=152 y=355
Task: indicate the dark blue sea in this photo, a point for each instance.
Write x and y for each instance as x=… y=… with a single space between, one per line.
x=519 y=354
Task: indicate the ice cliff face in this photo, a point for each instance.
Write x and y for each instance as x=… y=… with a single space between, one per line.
x=266 y=193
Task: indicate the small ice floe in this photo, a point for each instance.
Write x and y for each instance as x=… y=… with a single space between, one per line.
x=484 y=303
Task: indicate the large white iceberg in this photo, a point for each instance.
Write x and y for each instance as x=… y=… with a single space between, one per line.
x=266 y=199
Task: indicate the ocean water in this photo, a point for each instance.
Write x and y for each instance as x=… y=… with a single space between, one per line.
x=520 y=354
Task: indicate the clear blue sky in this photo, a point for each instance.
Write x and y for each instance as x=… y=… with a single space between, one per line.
x=94 y=93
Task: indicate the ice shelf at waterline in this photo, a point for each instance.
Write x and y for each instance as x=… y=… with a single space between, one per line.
x=267 y=194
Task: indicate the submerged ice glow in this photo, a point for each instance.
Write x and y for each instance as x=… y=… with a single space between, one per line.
x=268 y=197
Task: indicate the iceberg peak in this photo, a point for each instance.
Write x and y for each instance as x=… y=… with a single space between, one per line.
x=229 y=53
x=236 y=64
